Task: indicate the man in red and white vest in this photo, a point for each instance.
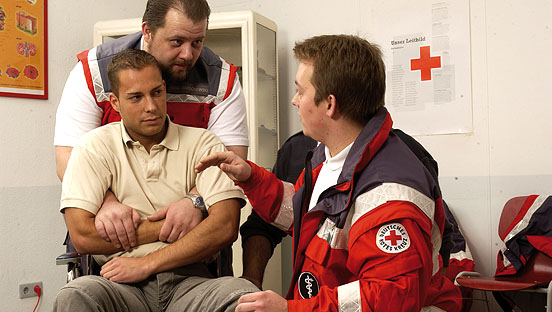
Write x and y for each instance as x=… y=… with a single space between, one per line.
x=203 y=91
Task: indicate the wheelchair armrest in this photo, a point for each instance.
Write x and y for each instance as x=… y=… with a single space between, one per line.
x=69 y=257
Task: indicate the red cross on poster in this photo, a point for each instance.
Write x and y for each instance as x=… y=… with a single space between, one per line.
x=425 y=63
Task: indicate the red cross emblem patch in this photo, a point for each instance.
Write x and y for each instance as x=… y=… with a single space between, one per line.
x=392 y=238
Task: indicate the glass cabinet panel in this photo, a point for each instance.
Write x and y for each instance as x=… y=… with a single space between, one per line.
x=266 y=99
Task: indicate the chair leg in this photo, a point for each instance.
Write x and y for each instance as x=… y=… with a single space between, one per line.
x=549 y=297
x=486 y=301
x=72 y=271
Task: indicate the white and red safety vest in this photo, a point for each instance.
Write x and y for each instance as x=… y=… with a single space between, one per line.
x=209 y=82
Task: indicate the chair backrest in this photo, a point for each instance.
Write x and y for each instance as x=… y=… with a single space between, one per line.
x=509 y=212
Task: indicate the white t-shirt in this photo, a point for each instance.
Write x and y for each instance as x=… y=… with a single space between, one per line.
x=78 y=113
x=331 y=169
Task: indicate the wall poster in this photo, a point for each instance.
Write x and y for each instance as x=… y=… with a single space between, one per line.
x=24 y=48
x=426 y=46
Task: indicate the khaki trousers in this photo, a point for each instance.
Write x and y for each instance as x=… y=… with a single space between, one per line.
x=167 y=291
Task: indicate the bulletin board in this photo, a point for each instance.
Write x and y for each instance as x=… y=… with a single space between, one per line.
x=23 y=49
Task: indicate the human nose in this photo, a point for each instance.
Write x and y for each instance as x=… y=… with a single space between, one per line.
x=150 y=105
x=186 y=52
x=295 y=100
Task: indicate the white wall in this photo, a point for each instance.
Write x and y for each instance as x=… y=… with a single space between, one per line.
x=31 y=227
x=507 y=154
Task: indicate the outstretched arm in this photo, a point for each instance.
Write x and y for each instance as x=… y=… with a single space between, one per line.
x=234 y=166
x=214 y=233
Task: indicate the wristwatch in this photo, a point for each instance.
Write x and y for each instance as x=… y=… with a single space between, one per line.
x=198 y=203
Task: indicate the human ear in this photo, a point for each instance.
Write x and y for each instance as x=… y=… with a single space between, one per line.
x=114 y=102
x=331 y=106
x=146 y=32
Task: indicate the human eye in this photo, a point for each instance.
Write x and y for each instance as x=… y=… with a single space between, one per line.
x=176 y=42
x=135 y=98
x=197 y=42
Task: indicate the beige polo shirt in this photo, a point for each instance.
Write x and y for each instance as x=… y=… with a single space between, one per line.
x=107 y=158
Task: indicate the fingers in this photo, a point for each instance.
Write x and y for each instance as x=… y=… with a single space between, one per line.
x=100 y=228
x=112 y=234
x=165 y=231
x=247 y=303
x=245 y=307
x=252 y=297
x=262 y=301
x=107 y=269
x=122 y=235
x=130 y=232
x=212 y=160
x=158 y=215
x=174 y=234
x=135 y=218
x=231 y=171
x=111 y=271
x=170 y=232
x=117 y=223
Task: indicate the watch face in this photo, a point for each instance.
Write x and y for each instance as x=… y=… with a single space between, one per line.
x=198 y=202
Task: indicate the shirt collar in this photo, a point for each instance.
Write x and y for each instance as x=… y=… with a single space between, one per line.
x=171 y=140
x=338 y=160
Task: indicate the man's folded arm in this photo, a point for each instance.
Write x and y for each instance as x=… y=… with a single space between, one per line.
x=85 y=237
x=218 y=230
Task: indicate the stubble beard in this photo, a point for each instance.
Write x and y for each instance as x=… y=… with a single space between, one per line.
x=173 y=76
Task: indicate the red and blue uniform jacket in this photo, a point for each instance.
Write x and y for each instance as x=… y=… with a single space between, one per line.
x=372 y=241
x=189 y=103
x=530 y=230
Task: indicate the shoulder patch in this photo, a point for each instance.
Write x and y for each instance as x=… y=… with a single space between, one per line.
x=308 y=285
x=392 y=238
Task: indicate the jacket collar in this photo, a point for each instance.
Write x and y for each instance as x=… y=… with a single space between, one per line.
x=366 y=145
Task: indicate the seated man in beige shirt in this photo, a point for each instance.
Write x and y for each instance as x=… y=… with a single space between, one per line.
x=148 y=162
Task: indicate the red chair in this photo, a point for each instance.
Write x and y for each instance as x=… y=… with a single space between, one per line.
x=534 y=276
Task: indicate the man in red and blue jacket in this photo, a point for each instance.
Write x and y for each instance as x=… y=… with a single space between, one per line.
x=366 y=215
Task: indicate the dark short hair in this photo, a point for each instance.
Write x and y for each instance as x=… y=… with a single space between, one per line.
x=348 y=67
x=128 y=59
x=156 y=11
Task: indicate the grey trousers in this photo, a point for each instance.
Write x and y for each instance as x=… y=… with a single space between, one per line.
x=167 y=291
